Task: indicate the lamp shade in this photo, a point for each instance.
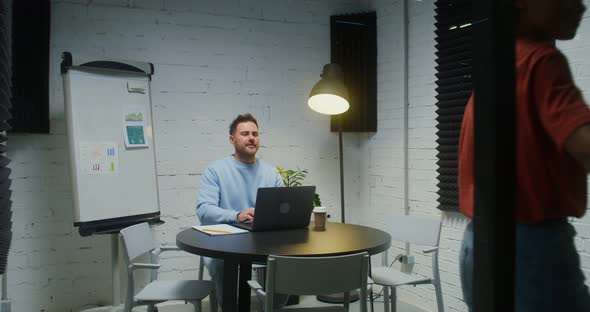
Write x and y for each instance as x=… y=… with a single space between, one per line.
x=329 y=96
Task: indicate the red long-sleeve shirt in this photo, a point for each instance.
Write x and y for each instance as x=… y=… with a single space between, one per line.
x=549 y=108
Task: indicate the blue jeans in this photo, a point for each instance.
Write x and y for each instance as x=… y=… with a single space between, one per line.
x=547 y=269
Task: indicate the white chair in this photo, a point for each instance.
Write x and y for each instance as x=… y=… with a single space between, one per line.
x=137 y=241
x=314 y=276
x=424 y=231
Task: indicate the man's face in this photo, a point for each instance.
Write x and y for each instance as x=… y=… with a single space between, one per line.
x=554 y=19
x=245 y=139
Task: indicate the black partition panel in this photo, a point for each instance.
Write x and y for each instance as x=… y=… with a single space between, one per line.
x=495 y=153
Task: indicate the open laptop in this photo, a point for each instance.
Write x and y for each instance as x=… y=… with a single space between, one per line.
x=279 y=208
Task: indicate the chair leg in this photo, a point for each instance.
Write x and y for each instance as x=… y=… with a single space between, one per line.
x=346 y=301
x=386 y=298
x=261 y=276
x=372 y=300
x=198 y=306
x=439 y=297
x=129 y=302
x=213 y=300
x=393 y=299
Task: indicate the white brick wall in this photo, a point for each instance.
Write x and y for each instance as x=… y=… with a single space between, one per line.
x=577 y=50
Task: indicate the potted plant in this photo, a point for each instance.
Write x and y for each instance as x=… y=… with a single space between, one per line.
x=295 y=178
x=292 y=177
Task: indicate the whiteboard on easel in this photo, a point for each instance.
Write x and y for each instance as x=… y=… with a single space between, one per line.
x=111 y=145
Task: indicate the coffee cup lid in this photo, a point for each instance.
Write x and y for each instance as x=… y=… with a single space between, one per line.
x=320 y=209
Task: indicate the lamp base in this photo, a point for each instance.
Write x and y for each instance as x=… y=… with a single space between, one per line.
x=338 y=298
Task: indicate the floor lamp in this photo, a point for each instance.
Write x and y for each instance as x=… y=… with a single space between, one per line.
x=329 y=96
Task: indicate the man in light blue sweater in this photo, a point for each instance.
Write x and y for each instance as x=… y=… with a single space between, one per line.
x=229 y=185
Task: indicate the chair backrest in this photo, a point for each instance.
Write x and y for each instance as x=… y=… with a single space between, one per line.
x=419 y=230
x=316 y=275
x=137 y=240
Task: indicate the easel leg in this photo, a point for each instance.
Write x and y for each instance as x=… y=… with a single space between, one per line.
x=116 y=277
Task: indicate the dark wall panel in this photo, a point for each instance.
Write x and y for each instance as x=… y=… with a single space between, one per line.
x=354 y=47
x=31 y=66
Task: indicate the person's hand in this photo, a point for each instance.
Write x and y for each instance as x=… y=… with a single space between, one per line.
x=246 y=215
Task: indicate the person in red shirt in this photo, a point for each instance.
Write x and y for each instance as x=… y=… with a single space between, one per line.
x=552 y=162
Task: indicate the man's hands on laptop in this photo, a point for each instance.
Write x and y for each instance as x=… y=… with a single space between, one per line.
x=246 y=215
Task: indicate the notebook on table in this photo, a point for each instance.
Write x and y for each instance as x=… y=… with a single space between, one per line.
x=280 y=208
x=218 y=229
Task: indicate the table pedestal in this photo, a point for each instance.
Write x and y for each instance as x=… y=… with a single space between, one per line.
x=236 y=292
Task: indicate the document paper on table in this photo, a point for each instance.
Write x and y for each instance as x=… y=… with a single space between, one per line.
x=219 y=229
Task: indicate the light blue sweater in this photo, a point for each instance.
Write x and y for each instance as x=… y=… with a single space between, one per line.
x=229 y=186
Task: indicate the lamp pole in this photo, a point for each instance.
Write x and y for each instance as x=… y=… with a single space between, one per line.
x=354 y=295
x=342 y=218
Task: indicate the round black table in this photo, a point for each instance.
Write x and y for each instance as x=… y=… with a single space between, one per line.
x=240 y=250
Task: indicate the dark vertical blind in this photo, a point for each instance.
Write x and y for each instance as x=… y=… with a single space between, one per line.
x=354 y=47
x=5 y=105
x=453 y=88
x=31 y=66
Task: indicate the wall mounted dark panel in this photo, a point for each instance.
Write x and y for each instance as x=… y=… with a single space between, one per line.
x=30 y=66
x=354 y=47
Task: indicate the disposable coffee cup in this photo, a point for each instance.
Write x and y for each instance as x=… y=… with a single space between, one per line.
x=319 y=217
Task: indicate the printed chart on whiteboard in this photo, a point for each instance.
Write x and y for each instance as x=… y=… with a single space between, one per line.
x=135 y=126
x=99 y=158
